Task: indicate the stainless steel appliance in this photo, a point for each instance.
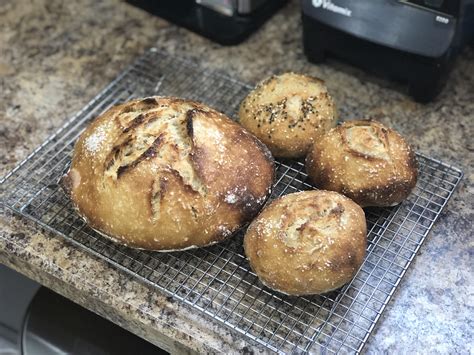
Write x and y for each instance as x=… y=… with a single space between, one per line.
x=227 y=22
x=35 y=320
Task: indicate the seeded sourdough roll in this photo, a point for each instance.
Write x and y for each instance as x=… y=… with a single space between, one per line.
x=366 y=161
x=288 y=113
x=309 y=242
x=165 y=173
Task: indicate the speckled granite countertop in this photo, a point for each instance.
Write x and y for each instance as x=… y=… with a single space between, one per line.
x=56 y=55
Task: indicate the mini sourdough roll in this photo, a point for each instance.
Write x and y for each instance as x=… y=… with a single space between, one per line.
x=167 y=173
x=366 y=161
x=308 y=242
x=288 y=113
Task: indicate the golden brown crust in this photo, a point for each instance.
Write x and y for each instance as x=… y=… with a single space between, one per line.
x=166 y=173
x=309 y=242
x=366 y=161
x=288 y=113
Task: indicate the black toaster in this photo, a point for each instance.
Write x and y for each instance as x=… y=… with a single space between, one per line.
x=413 y=41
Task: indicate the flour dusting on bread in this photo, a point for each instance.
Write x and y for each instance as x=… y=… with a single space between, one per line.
x=94 y=142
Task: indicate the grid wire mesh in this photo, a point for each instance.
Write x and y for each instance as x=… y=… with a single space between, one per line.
x=217 y=280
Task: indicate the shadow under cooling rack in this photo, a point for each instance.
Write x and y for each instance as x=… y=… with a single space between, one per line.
x=217 y=280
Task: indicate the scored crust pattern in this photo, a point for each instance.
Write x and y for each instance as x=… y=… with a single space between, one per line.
x=367 y=141
x=314 y=230
x=366 y=161
x=307 y=242
x=166 y=173
x=288 y=113
x=159 y=134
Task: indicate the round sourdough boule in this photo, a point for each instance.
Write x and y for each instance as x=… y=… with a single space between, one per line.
x=307 y=243
x=366 y=161
x=288 y=113
x=165 y=173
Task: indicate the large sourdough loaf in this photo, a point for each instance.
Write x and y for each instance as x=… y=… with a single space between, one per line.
x=167 y=173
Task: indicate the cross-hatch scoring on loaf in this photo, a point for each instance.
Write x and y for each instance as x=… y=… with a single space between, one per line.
x=159 y=135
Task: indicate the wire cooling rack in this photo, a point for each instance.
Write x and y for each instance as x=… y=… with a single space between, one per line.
x=217 y=280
